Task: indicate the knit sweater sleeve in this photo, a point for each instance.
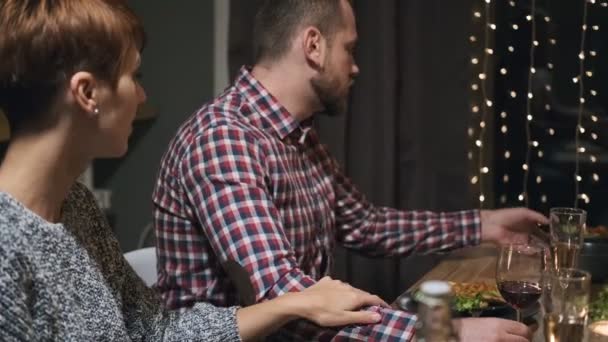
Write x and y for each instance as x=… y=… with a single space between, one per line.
x=16 y=323
x=145 y=314
x=145 y=317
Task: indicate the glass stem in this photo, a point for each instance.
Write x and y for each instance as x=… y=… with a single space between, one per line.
x=518 y=315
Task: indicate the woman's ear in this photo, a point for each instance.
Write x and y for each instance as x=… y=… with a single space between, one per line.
x=84 y=88
x=314 y=46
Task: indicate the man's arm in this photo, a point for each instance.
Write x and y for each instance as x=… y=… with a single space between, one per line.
x=225 y=180
x=389 y=232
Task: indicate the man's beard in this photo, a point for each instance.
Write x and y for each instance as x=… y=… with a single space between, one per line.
x=326 y=90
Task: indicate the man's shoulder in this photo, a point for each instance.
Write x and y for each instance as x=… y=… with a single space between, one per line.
x=229 y=109
x=230 y=113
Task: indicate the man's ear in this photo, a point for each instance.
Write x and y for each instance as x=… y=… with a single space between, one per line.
x=84 y=88
x=315 y=47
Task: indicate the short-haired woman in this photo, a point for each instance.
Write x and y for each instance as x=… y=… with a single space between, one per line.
x=68 y=84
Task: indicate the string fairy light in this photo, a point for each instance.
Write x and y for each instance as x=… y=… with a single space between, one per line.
x=579 y=149
x=481 y=109
x=487 y=103
x=474 y=108
x=504 y=117
x=524 y=197
x=594 y=93
x=552 y=43
x=534 y=144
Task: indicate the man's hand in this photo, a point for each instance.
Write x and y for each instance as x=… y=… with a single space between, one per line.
x=492 y=330
x=513 y=225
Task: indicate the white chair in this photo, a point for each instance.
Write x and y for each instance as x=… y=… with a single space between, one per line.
x=143 y=262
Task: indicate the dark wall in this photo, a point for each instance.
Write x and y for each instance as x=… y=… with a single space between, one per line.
x=178 y=78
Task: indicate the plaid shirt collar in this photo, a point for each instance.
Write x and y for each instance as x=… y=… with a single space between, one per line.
x=266 y=105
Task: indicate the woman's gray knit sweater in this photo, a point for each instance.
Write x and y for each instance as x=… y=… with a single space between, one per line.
x=70 y=282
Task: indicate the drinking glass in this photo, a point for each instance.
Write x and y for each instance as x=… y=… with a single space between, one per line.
x=567 y=233
x=566 y=304
x=518 y=275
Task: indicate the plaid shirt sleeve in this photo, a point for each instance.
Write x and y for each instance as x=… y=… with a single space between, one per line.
x=224 y=173
x=390 y=232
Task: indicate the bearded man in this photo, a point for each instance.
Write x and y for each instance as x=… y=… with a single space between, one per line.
x=247 y=182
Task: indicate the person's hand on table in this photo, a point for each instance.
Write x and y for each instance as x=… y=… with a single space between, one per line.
x=512 y=225
x=492 y=330
x=334 y=303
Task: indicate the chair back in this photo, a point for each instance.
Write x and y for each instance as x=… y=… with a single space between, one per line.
x=143 y=262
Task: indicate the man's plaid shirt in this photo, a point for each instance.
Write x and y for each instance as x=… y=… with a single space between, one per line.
x=245 y=181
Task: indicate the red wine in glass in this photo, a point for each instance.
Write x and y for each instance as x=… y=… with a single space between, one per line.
x=520 y=294
x=518 y=275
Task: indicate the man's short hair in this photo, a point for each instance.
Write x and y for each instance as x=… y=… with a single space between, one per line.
x=277 y=21
x=43 y=42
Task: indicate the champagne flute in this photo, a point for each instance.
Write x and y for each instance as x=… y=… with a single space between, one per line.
x=518 y=275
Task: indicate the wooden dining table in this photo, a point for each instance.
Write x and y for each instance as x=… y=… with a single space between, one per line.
x=474 y=264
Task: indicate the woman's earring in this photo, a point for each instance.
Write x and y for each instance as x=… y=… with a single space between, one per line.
x=96 y=111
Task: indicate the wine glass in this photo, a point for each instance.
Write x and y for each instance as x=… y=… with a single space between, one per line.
x=518 y=275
